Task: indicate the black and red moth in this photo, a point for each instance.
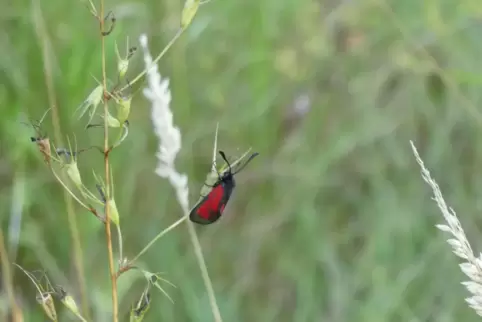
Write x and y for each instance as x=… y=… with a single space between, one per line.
x=210 y=208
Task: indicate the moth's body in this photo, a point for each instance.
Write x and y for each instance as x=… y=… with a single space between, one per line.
x=210 y=208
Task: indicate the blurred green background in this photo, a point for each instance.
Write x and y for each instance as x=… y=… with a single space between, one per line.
x=332 y=222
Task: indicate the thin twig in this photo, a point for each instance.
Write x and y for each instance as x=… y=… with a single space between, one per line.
x=107 y=172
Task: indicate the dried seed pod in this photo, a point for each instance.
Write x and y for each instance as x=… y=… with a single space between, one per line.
x=42 y=141
x=43 y=145
x=46 y=300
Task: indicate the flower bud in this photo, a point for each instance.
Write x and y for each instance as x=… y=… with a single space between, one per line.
x=123 y=108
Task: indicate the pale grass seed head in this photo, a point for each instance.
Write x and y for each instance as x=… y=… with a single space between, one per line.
x=472 y=267
x=158 y=93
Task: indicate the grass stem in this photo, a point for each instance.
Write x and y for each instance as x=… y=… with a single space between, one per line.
x=108 y=232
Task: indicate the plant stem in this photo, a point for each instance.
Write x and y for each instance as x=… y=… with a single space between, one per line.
x=204 y=272
x=163 y=52
x=162 y=233
x=107 y=172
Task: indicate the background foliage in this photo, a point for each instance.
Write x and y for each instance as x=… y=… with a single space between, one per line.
x=331 y=223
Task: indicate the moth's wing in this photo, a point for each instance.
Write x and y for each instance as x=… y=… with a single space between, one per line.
x=209 y=209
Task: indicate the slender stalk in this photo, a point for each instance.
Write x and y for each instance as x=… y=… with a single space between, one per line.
x=108 y=233
x=81 y=318
x=162 y=233
x=42 y=36
x=68 y=190
x=204 y=272
x=154 y=62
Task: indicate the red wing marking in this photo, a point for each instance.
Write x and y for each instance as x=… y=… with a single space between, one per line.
x=212 y=204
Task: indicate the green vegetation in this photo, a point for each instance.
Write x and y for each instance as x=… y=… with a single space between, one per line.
x=332 y=222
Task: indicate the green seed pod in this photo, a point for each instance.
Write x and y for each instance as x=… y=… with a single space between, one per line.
x=123 y=108
x=112 y=121
x=68 y=301
x=122 y=66
x=114 y=213
x=73 y=173
x=188 y=12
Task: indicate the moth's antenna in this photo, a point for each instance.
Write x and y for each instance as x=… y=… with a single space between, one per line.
x=224 y=157
x=250 y=158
